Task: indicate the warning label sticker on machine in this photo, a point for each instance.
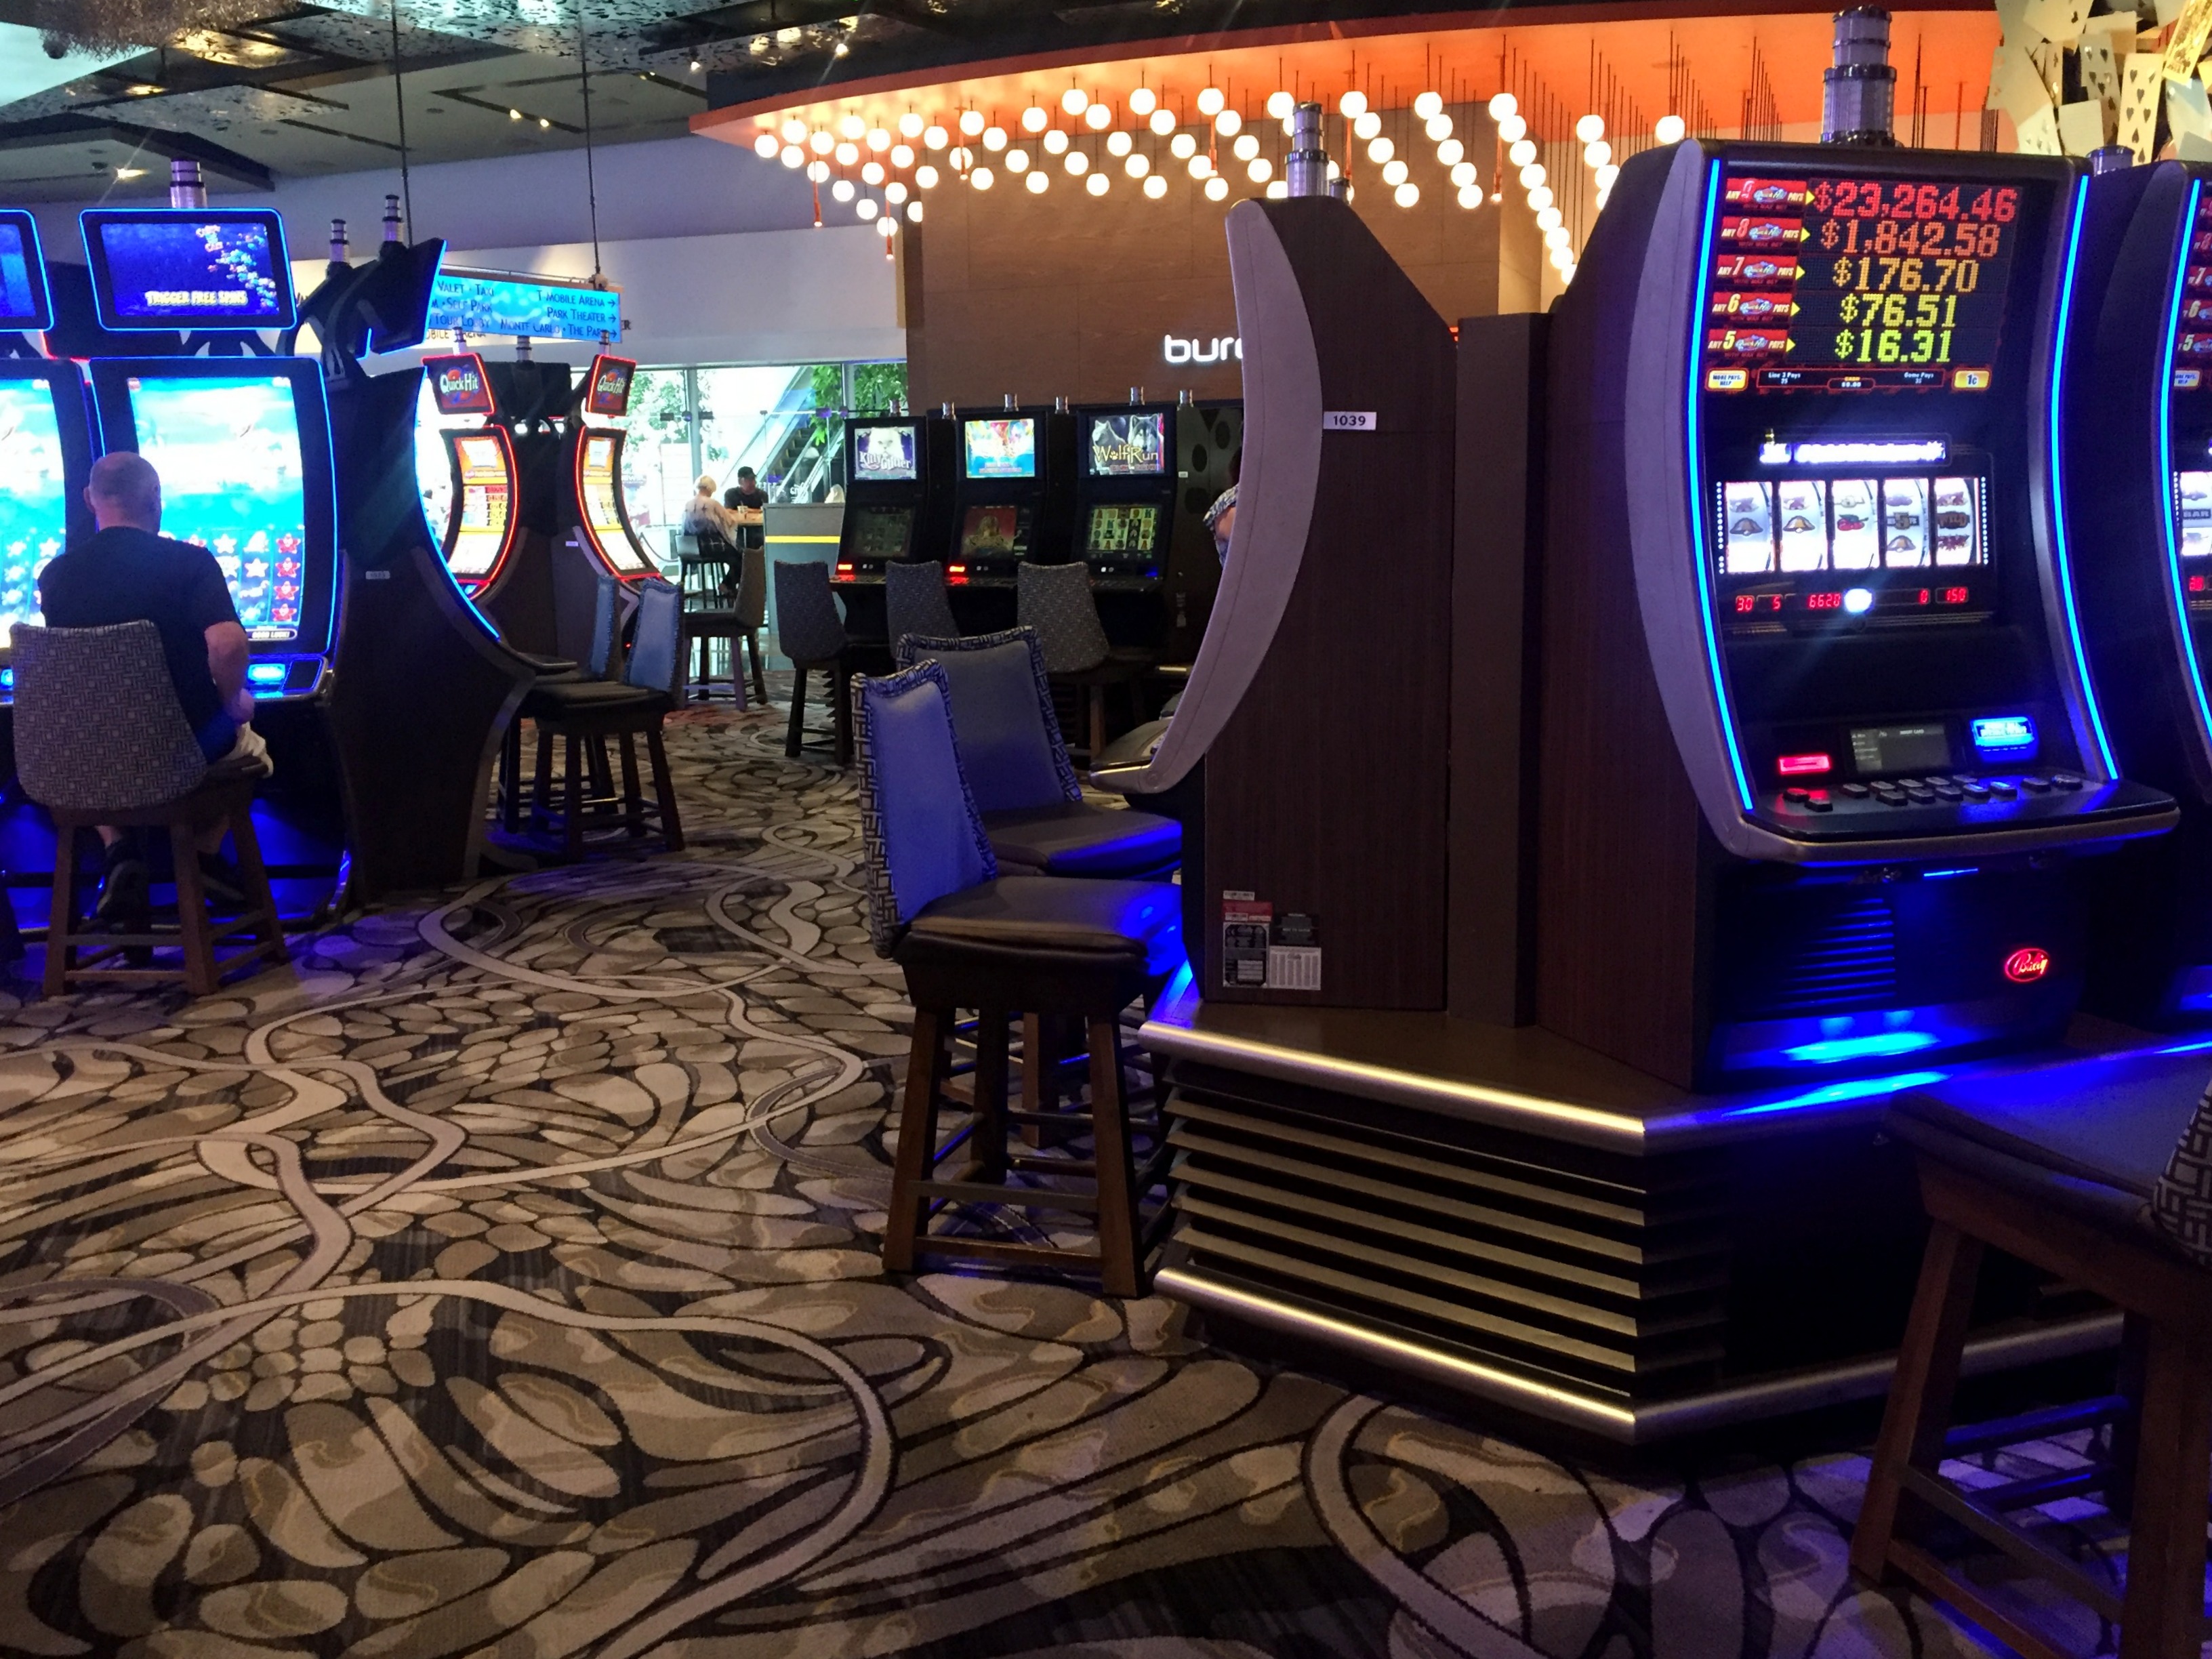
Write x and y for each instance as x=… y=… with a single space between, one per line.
x=1244 y=939
x=1294 y=967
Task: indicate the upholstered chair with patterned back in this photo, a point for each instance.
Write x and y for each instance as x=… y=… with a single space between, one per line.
x=1055 y=600
x=916 y=602
x=1006 y=945
x=809 y=631
x=100 y=738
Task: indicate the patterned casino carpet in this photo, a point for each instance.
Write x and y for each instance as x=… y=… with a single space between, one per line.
x=502 y=1280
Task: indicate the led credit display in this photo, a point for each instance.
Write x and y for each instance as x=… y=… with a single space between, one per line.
x=1856 y=284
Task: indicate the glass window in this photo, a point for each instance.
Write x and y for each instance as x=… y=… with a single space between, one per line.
x=656 y=470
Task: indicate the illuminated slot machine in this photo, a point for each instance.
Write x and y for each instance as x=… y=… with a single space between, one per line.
x=602 y=517
x=242 y=444
x=1016 y=493
x=2138 y=484
x=465 y=462
x=899 y=494
x=1817 y=741
x=45 y=440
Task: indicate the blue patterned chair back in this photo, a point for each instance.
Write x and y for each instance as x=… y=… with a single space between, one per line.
x=752 y=587
x=656 y=651
x=914 y=602
x=607 y=624
x=1055 y=600
x=923 y=835
x=807 y=626
x=97 y=726
x=1011 y=746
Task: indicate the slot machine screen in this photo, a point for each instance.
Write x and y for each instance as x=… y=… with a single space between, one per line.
x=2190 y=405
x=1127 y=445
x=994 y=533
x=1123 y=531
x=595 y=476
x=881 y=532
x=24 y=302
x=1861 y=358
x=233 y=482
x=158 y=268
x=486 y=498
x=1001 y=448
x=33 y=496
x=884 y=454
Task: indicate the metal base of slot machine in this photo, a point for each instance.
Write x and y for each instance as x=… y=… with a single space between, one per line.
x=1500 y=1216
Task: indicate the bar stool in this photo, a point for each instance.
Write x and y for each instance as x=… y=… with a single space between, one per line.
x=968 y=937
x=100 y=739
x=916 y=602
x=809 y=631
x=2099 y=1171
x=1055 y=600
x=710 y=583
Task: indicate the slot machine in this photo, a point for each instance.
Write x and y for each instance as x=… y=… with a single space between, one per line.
x=46 y=439
x=598 y=516
x=1016 y=493
x=1126 y=516
x=898 y=505
x=1817 y=741
x=242 y=444
x=464 y=462
x=2138 y=479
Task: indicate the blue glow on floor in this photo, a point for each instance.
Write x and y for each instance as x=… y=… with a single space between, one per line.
x=1879 y=1044
x=1860 y=1088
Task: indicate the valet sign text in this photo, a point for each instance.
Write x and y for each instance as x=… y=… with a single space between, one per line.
x=1220 y=348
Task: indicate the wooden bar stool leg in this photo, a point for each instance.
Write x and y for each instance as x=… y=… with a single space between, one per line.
x=61 y=922
x=917 y=1147
x=1118 y=1266
x=760 y=678
x=510 y=777
x=664 y=789
x=798 y=710
x=191 y=910
x=843 y=676
x=988 y=1137
x=269 y=927
x=572 y=824
x=633 y=797
x=1098 y=723
x=1919 y=1410
x=2164 y=1614
x=541 y=799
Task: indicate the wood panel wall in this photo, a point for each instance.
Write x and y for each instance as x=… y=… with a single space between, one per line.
x=1070 y=295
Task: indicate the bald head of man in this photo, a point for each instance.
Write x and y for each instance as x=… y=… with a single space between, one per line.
x=124 y=489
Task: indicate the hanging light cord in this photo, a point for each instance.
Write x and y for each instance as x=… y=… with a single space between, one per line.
x=399 y=102
x=591 y=175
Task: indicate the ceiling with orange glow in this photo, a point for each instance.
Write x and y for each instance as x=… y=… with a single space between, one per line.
x=1758 y=69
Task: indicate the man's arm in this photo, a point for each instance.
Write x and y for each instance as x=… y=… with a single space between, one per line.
x=227 y=655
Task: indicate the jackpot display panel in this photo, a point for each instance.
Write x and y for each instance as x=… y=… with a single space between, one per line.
x=1852 y=642
x=25 y=304
x=189 y=268
x=46 y=450
x=898 y=492
x=243 y=446
x=1016 y=493
x=2138 y=483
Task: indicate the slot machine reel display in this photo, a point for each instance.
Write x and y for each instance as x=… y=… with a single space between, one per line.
x=1858 y=630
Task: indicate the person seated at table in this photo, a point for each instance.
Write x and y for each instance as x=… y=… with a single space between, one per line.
x=705 y=516
x=746 y=492
x=127 y=571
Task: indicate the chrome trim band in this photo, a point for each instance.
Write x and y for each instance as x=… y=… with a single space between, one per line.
x=1743 y=1402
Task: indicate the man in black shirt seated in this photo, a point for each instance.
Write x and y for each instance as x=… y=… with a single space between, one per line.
x=129 y=571
x=746 y=492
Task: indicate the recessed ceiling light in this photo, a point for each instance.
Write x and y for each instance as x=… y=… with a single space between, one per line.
x=130 y=173
x=144 y=89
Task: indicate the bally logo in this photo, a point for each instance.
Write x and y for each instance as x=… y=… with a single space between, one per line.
x=1219 y=350
x=2027 y=964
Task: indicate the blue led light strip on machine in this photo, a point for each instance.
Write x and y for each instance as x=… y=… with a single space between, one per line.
x=2055 y=423
x=2166 y=457
x=1697 y=504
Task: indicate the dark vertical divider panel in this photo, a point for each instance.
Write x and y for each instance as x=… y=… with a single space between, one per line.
x=1496 y=611
x=1326 y=788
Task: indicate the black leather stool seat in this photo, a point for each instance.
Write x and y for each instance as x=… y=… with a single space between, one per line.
x=2090 y=1136
x=581 y=699
x=1077 y=838
x=1042 y=945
